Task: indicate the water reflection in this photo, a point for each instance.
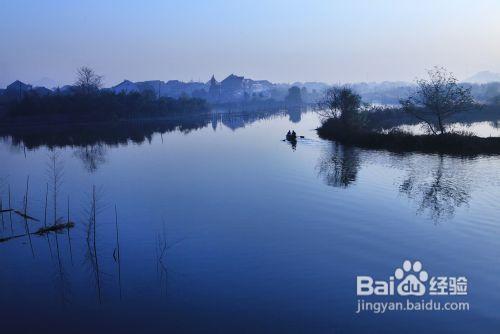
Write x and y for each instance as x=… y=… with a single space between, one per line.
x=137 y=132
x=110 y=135
x=91 y=255
x=339 y=165
x=92 y=156
x=438 y=189
x=242 y=230
x=437 y=184
x=295 y=114
x=61 y=279
x=91 y=142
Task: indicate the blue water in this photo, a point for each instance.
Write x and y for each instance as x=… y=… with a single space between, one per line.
x=228 y=229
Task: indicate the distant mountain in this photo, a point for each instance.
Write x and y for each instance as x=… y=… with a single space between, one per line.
x=484 y=77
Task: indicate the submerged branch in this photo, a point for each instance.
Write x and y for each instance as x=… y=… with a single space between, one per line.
x=56 y=228
x=25 y=216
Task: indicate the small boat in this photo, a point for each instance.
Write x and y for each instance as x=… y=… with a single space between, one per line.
x=291 y=137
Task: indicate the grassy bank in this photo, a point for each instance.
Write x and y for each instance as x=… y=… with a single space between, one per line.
x=397 y=141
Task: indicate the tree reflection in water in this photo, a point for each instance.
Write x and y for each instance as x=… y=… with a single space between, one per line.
x=92 y=141
x=339 y=166
x=92 y=156
x=438 y=187
x=437 y=184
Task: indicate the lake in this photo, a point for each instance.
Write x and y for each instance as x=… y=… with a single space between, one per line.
x=223 y=227
x=481 y=129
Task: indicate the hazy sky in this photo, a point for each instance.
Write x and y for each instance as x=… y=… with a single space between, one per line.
x=280 y=40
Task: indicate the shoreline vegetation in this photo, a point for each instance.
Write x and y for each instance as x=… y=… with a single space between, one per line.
x=32 y=112
x=436 y=103
x=82 y=134
x=399 y=141
x=99 y=106
x=85 y=114
x=87 y=102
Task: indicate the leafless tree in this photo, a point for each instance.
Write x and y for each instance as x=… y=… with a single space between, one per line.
x=87 y=81
x=437 y=99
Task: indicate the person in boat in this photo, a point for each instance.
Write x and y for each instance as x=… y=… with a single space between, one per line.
x=294 y=135
x=288 y=134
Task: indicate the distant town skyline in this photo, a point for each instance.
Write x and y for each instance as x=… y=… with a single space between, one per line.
x=281 y=41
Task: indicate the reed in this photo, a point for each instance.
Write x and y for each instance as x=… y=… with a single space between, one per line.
x=26 y=215
x=1 y=213
x=118 y=255
x=69 y=236
x=10 y=212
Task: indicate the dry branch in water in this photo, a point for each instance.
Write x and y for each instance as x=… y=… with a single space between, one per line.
x=56 y=228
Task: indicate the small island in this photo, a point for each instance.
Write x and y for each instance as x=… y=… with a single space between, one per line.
x=435 y=104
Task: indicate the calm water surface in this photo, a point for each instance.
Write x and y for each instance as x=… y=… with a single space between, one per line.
x=480 y=129
x=226 y=228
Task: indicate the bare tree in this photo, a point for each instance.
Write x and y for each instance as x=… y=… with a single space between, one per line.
x=437 y=99
x=341 y=103
x=87 y=81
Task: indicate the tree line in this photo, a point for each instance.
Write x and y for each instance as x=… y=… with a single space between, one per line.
x=434 y=103
x=86 y=100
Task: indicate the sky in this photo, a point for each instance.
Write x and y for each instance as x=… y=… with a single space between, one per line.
x=333 y=41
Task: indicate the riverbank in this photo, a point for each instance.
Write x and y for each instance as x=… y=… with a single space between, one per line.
x=33 y=132
x=398 y=141
x=101 y=106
